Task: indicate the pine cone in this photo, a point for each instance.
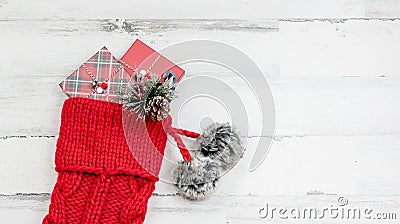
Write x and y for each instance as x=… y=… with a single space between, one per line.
x=158 y=108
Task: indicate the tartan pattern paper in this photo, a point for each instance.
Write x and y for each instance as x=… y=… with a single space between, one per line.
x=101 y=67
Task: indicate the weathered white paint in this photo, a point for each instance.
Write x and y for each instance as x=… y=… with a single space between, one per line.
x=382 y=9
x=336 y=103
x=365 y=60
x=250 y=9
x=219 y=210
x=182 y=10
x=332 y=67
x=295 y=165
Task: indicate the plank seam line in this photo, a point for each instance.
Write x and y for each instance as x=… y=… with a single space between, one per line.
x=48 y=195
x=275 y=138
x=26 y=136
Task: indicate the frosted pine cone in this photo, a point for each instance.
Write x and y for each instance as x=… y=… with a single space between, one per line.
x=158 y=108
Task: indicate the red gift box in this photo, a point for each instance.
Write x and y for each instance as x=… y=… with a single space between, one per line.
x=144 y=59
x=101 y=78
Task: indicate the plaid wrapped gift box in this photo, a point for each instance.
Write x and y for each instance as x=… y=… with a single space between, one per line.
x=99 y=78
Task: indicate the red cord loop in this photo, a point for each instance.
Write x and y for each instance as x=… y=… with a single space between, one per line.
x=187 y=133
x=175 y=132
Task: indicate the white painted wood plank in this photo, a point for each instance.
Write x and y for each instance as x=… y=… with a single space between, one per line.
x=182 y=10
x=57 y=47
x=352 y=48
x=382 y=9
x=31 y=100
x=337 y=105
x=323 y=106
x=218 y=210
x=295 y=165
x=336 y=48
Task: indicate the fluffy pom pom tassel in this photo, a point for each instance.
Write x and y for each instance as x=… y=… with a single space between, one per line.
x=197 y=180
x=220 y=142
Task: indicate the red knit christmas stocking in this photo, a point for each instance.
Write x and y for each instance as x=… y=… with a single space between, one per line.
x=100 y=180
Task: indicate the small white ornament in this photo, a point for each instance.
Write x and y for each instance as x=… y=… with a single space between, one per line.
x=99 y=90
x=143 y=72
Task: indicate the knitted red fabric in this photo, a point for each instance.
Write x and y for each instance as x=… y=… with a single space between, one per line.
x=99 y=180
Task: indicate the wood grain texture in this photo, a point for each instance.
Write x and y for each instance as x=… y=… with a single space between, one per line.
x=382 y=9
x=219 y=210
x=340 y=57
x=176 y=9
x=332 y=67
x=349 y=165
x=329 y=84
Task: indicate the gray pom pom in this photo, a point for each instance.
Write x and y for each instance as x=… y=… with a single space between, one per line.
x=196 y=180
x=220 y=142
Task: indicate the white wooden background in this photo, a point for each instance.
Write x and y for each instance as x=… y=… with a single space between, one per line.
x=333 y=67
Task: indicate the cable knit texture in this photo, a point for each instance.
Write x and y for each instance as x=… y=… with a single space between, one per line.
x=101 y=179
